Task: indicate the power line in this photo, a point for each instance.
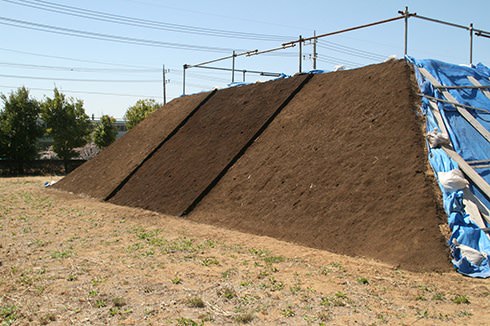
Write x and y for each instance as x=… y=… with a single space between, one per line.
x=351 y=51
x=107 y=37
x=144 y=23
x=76 y=69
x=334 y=60
x=71 y=59
x=85 y=80
x=83 y=92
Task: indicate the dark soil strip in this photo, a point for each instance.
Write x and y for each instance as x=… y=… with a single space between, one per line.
x=170 y=135
x=182 y=169
x=244 y=149
x=100 y=176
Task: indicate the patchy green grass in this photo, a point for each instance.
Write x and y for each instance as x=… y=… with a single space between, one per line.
x=8 y=315
x=460 y=299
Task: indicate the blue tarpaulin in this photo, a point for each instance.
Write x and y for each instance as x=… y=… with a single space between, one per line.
x=469 y=144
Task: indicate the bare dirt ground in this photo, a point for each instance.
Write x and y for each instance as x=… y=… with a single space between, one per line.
x=65 y=259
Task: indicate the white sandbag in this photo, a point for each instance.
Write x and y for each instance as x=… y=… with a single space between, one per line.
x=437 y=138
x=453 y=180
x=472 y=255
x=338 y=67
x=392 y=57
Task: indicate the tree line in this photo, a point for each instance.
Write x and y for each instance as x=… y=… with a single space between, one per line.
x=24 y=120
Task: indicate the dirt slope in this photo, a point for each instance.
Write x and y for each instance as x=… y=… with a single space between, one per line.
x=342 y=168
x=178 y=173
x=100 y=176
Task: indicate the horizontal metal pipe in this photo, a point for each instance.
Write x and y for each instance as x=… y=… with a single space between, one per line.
x=442 y=22
x=271 y=50
x=221 y=59
x=463 y=87
x=453 y=103
x=345 y=30
x=263 y=73
x=482 y=34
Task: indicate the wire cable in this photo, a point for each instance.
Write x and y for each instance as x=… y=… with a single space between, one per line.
x=351 y=51
x=82 y=92
x=72 y=59
x=85 y=80
x=108 y=37
x=77 y=69
x=144 y=23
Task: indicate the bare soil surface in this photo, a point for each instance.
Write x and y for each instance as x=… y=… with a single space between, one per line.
x=179 y=171
x=341 y=168
x=65 y=259
x=98 y=177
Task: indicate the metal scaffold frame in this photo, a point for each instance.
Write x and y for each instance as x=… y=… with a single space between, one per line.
x=301 y=41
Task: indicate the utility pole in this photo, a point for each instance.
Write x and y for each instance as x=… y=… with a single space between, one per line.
x=164 y=84
x=314 y=50
x=233 y=67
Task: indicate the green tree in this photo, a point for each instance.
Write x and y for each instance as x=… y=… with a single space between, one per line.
x=105 y=132
x=139 y=111
x=67 y=123
x=19 y=127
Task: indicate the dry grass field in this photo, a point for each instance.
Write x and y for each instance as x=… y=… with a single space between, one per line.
x=66 y=259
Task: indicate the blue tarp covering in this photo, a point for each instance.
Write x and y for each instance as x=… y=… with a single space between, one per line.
x=469 y=144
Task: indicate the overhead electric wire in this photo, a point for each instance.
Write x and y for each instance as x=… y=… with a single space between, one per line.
x=78 y=69
x=108 y=37
x=72 y=59
x=83 y=92
x=323 y=57
x=84 y=80
x=351 y=51
x=144 y=23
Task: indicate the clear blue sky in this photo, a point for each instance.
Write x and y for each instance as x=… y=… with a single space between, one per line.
x=123 y=73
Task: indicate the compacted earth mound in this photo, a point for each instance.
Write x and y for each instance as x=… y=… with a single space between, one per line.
x=181 y=171
x=341 y=168
x=102 y=175
x=332 y=161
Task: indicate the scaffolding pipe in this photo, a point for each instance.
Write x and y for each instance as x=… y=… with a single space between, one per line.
x=345 y=30
x=314 y=50
x=233 y=67
x=183 y=80
x=405 y=13
x=262 y=73
x=256 y=52
x=471 y=44
x=300 y=53
x=221 y=59
x=440 y=22
x=481 y=33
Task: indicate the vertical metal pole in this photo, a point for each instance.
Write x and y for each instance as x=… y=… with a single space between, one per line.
x=233 y=67
x=183 y=81
x=300 y=53
x=471 y=44
x=314 y=50
x=405 y=52
x=244 y=72
x=164 y=86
